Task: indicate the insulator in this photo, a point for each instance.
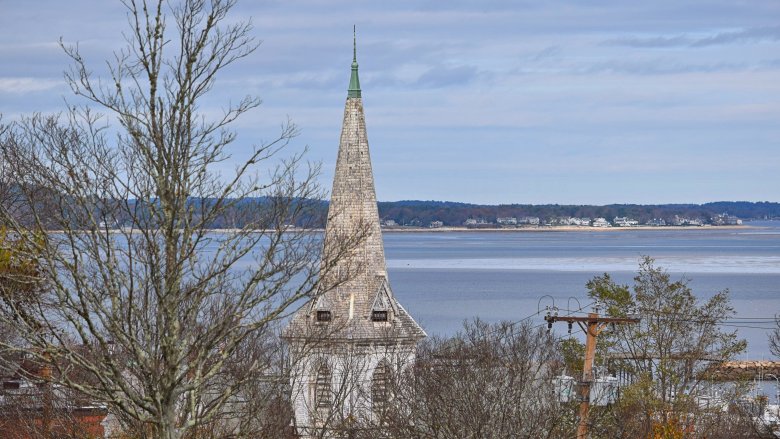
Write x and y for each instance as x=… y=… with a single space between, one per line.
x=549 y=326
x=612 y=326
x=570 y=324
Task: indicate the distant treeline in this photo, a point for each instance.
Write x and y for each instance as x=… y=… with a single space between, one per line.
x=312 y=213
x=422 y=213
x=455 y=214
x=309 y=213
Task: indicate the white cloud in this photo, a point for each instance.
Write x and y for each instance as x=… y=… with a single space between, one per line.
x=28 y=85
x=741 y=36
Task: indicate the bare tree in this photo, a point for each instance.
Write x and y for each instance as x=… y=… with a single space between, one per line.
x=9 y=195
x=136 y=290
x=259 y=409
x=6 y=185
x=488 y=381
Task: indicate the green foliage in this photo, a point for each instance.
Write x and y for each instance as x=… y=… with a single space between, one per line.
x=18 y=265
x=678 y=338
x=20 y=281
x=617 y=298
x=572 y=352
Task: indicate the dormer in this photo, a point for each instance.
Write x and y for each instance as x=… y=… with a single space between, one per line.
x=321 y=310
x=383 y=307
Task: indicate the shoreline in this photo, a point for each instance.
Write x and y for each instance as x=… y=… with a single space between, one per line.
x=541 y=229
x=461 y=229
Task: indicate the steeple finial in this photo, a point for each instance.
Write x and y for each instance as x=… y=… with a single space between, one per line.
x=354 y=82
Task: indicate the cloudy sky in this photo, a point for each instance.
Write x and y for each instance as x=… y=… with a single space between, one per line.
x=583 y=102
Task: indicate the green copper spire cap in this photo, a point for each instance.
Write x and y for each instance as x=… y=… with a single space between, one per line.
x=354 y=82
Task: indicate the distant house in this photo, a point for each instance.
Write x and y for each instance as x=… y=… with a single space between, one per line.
x=507 y=221
x=476 y=223
x=435 y=224
x=622 y=221
x=389 y=223
x=736 y=221
x=600 y=222
x=532 y=220
x=656 y=222
x=725 y=219
x=572 y=221
x=683 y=221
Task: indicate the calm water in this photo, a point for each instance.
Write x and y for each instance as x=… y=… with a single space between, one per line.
x=444 y=278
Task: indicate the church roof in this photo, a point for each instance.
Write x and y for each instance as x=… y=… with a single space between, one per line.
x=357 y=289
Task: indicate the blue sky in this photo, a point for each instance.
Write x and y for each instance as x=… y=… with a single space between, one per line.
x=604 y=101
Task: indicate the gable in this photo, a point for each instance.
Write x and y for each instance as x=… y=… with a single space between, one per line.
x=383 y=298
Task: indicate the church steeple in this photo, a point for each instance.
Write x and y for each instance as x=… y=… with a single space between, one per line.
x=353 y=209
x=354 y=82
x=354 y=324
x=363 y=297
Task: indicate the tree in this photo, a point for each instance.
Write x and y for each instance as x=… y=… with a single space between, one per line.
x=30 y=404
x=572 y=352
x=774 y=338
x=19 y=283
x=10 y=198
x=487 y=381
x=158 y=311
x=666 y=355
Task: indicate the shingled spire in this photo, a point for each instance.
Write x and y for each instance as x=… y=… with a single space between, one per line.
x=359 y=303
x=354 y=329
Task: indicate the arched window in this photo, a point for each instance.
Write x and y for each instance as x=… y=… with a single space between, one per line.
x=322 y=387
x=380 y=387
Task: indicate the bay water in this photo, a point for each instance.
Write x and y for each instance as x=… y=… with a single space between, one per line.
x=444 y=278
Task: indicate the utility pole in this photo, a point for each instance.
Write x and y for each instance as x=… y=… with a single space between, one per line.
x=592 y=325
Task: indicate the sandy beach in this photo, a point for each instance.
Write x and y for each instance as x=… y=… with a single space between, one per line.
x=401 y=229
x=559 y=229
